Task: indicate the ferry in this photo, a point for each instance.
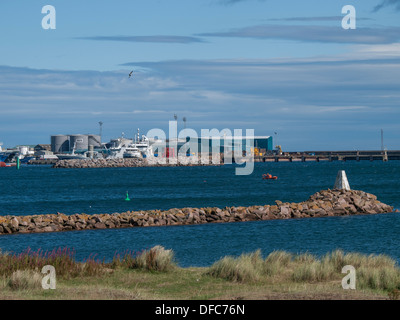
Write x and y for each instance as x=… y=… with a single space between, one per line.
x=132 y=152
x=139 y=147
x=143 y=145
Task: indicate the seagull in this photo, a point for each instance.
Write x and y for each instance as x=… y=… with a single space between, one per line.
x=130 y=74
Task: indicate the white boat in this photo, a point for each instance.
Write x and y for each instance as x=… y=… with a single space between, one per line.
x=144 y=148
x=116 y=148
x=143 y=144
x=139 y=147
x=132 y=152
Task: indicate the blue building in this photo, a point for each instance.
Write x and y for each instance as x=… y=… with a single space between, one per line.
x=263 y=144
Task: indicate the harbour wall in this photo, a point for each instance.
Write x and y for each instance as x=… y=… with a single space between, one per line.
x=322 y=204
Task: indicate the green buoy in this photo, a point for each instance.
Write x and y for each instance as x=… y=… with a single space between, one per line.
x=127 y=197
x=18 y=163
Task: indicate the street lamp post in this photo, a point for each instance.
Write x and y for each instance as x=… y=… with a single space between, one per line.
x=101 y=130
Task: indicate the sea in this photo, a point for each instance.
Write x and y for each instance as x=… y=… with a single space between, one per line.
x=44 y=190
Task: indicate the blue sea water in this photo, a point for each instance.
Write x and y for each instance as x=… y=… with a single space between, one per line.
x=42 y=190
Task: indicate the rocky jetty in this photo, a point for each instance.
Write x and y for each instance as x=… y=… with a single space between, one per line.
x=321 y=204
x=126 y=163
x=99 y=163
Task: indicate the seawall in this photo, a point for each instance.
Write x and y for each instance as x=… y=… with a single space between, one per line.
x=321 y=204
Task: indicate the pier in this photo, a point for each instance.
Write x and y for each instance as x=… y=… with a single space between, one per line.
x=318 y=156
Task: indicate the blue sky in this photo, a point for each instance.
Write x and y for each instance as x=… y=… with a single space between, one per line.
x=272 y=66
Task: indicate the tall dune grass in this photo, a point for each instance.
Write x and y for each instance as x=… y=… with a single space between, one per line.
x=276 y=261
x=25 y=280
x=247 y=267
x=65 y=264
x=372 y=271
x=155 y=259
x=315 y=271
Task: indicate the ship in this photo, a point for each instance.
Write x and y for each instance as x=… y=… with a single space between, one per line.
x=132 y=152
x=143 y=145
x=139 y=147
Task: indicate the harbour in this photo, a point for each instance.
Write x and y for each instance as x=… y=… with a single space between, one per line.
x=189 y=150
x=305 y=156
x=66 y=148
x=36 y=190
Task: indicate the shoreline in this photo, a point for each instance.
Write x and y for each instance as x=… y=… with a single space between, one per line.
x=321 y=204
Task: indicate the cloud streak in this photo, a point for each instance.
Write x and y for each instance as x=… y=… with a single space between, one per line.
x=314 y=34
x=388 y=3
x=232 y=2
x=311 y=19
x=148 y=39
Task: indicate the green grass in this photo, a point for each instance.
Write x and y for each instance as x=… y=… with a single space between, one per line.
x=154 y=274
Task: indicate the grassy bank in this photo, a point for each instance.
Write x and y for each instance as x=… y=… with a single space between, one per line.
x=154 y=274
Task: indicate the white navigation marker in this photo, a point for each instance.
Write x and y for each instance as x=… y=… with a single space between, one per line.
x=341 y=182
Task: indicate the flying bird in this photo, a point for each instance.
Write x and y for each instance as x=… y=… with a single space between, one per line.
x=130 y=74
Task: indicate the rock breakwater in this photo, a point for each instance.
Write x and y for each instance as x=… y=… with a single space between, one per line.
x=125 y=163
x=321 y=204
x=100 y=163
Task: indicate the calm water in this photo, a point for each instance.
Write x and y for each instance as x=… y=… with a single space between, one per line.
x=40 y=190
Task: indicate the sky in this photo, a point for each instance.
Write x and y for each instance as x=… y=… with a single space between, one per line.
x=286 y=69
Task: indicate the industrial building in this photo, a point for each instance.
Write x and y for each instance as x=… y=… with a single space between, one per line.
x=234 y=143
x=81 y=142
x=261 y=144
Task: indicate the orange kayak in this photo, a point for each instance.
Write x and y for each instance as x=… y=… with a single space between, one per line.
x=269 y=177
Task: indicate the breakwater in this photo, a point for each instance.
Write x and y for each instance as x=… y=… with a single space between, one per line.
x=321 y=204
x=100 y=163
x=128 y=162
